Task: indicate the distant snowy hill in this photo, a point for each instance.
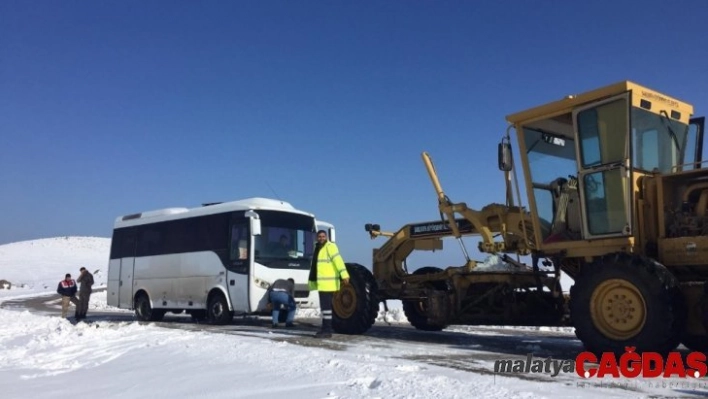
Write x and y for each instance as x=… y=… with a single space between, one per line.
x=38 y=265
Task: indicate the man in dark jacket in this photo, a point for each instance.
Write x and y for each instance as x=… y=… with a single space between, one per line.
x=282 y=294
x=67 y=290
x=86 y=280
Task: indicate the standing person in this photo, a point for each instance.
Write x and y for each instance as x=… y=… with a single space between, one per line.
x=86 y=280
x=326 y=270
x=282 y=293
x=67 y=290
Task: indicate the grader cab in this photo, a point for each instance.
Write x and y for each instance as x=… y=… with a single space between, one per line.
x=615 y=197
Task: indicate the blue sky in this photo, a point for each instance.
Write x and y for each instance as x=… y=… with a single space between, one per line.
x=114 y=107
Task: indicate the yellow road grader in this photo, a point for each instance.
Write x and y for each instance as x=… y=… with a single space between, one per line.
x=616 y=197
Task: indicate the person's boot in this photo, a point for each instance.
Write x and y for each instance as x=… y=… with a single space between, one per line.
x=326 y=331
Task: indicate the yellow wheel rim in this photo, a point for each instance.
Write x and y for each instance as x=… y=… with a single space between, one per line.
x=618 y=309
x=344 y=301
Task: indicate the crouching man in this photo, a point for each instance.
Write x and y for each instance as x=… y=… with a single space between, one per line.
x=282 y=294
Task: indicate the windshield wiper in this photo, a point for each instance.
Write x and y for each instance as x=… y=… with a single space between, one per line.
x=667 y=122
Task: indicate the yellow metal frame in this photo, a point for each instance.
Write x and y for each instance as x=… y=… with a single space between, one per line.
x=566 y=106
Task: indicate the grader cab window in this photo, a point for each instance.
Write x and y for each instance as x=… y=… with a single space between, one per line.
x=602 y=131
x=646 y=150
x=661 y=144
x=692 y=152
x=565 y=168
x=552 y=163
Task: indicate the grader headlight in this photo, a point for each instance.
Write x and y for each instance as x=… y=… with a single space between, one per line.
x=374 y=230
x=372 y=227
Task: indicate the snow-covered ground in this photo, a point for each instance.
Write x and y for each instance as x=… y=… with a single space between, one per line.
x=45 y=356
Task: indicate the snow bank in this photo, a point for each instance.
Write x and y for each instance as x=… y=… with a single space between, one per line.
x=47 y=357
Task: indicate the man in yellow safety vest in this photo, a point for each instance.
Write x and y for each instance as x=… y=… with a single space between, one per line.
x=326 y=271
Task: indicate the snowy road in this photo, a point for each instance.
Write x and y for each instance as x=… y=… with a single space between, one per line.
x=470 y=349
x=457 y=341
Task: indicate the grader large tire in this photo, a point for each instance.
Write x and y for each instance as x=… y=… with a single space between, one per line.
x=625 y=300
x=355 y=305
x=415 y=310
